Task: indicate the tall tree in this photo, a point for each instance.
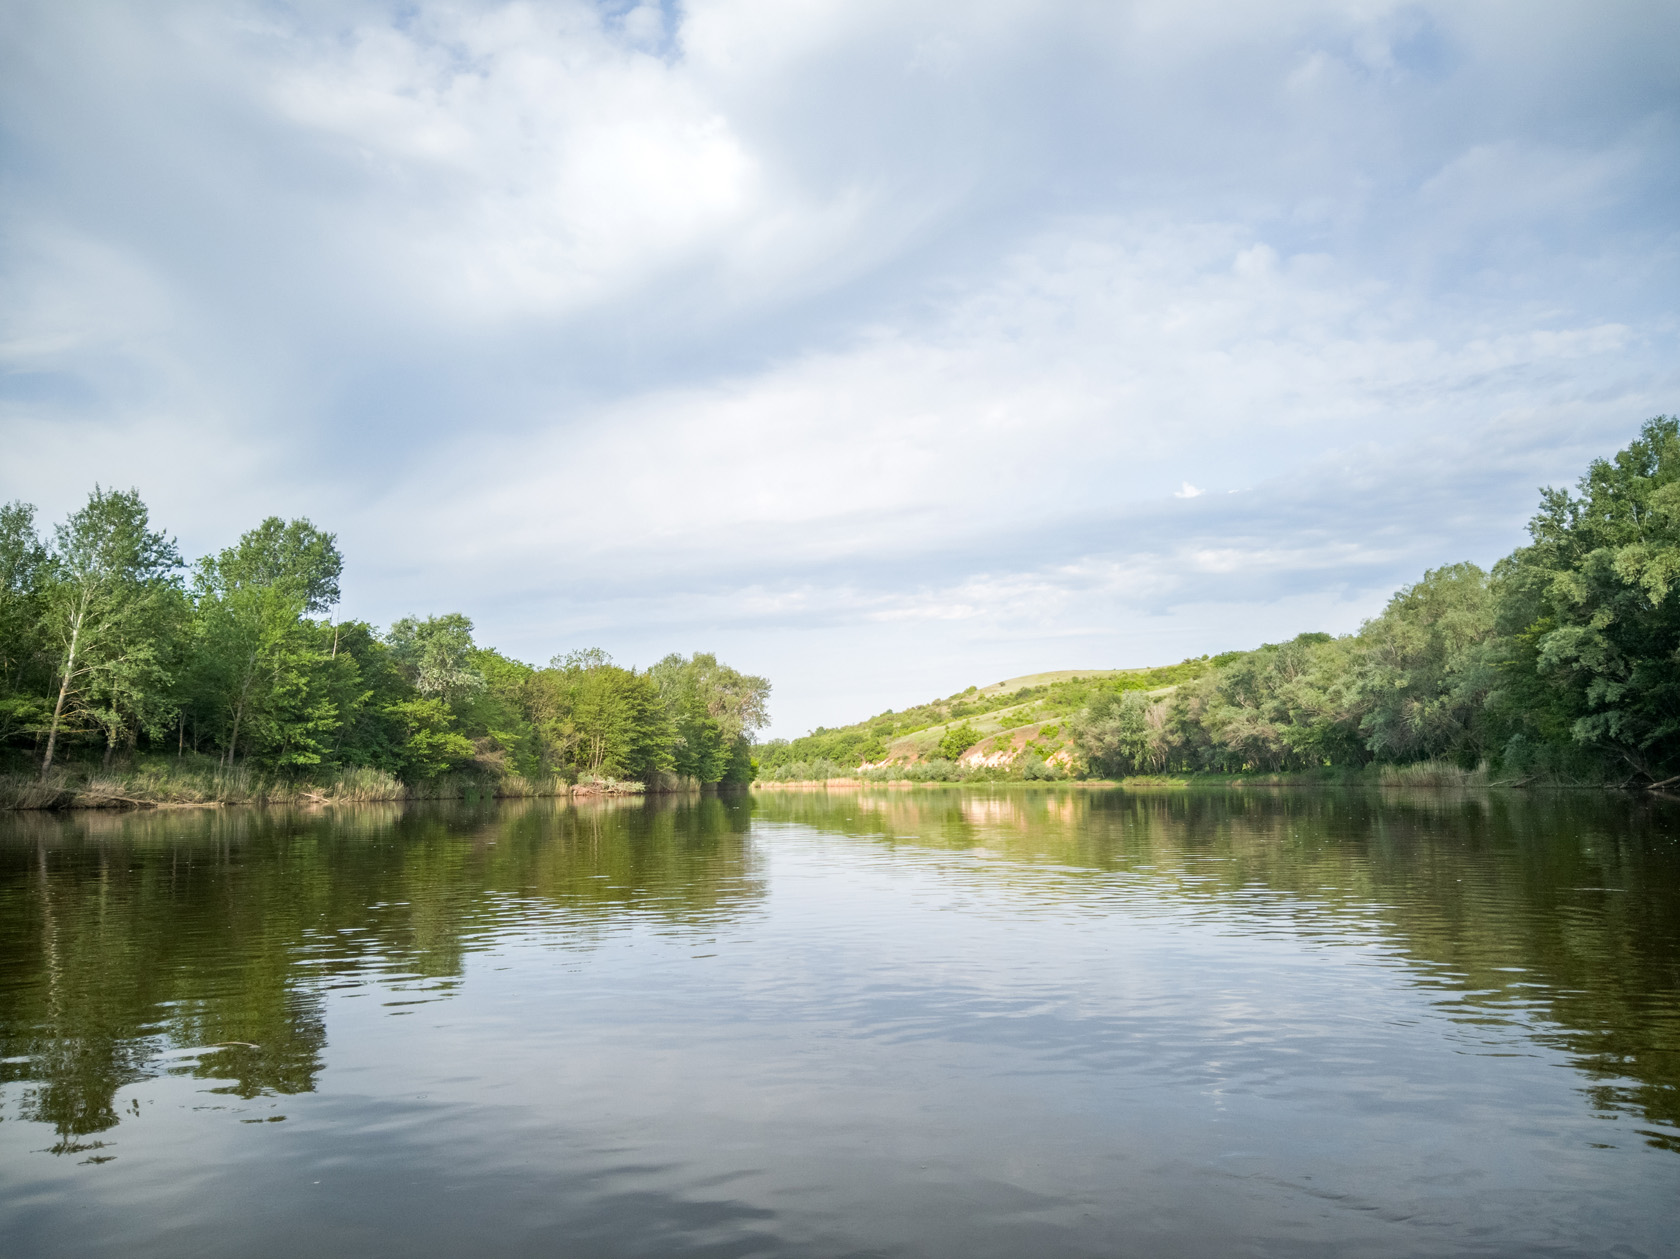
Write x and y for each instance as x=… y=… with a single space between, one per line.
x=23 y=579
x=437 y=655
x=291 y=556
x=596 y=719
x=1426 y=667
x=1284 y=706
x=494 y=718
x=1591 y=612
x=264 y=661
x=713 y=710
x=110 y=578
x=431 y=744
x=1121 y=733
x=365 y=684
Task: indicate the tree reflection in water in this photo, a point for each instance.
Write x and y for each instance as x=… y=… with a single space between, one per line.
x=205 y=942
x=202 y=942
x=1561 y=909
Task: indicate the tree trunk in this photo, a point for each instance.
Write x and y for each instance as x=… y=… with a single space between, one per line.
x=63 y=690
x=233 y=735
x=239 y=709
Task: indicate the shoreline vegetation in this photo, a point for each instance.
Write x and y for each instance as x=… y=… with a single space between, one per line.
x=205 y=784
x=1429 y=775
x=1560 y=667
x=1424 y=774
x=130 y=678
x=127 y=679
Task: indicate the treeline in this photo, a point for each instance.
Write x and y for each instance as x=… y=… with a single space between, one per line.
x=110 y=645
x=1563 y=662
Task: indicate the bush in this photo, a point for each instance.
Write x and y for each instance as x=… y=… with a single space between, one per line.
x=1034 y=768
x=957 y=740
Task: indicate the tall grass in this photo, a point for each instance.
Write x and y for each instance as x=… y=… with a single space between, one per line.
x=31 y=791
x=201 y=780
x=1433 y=774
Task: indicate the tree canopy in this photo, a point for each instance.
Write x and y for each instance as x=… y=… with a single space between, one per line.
x=109 y=646
x=1564 y=660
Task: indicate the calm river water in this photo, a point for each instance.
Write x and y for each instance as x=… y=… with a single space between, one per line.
x=943 y=1022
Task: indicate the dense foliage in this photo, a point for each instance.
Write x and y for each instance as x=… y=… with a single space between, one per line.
x=1564 y=661
x=110 y=645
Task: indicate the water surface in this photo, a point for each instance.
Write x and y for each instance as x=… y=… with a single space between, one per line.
x=1017 y=1021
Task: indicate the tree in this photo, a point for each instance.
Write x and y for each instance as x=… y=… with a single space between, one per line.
x=1426 y=667
x=713 y=711
x=596 y=719
x=365 y=684
x=1589 y=612
x=956 y=740
x=261 y=662
x=430 y=744
x=494 y=717
x=290 y=556
x=1283 y=706
x=1119 y=734
x=23 y=579
x=107 y=594
x=437 y=655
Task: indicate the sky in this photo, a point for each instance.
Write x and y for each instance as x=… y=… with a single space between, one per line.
x=882 y=348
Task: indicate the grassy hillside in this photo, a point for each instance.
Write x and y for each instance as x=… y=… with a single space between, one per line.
x=983 y=724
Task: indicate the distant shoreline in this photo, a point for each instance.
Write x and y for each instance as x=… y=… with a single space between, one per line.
x=1408 y=777
x=147 y=789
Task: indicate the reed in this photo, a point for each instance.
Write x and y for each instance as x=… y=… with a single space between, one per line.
x=169 y=781
x=31 y=791
x=1432 y=774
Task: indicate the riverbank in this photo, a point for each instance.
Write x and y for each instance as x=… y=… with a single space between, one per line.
x=202 y=783
x=1427 y=774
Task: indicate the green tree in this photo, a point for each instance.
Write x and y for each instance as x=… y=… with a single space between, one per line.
x=365 y=684
x=1120 y=733
x=1590 y=617
x=437 y=655
x=1284 y=706
x=1426 y=667
x=260 y=663
x=596 y=719
x=431 y=746
x=23 y=579
x=713 y=711
x=494 y=716
x=957 y=740
x=110 y=588
x=291 y=556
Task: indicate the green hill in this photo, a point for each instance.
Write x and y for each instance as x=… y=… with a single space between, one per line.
x=998 y=721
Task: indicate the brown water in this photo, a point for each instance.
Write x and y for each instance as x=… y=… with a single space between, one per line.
x=1018 y=1021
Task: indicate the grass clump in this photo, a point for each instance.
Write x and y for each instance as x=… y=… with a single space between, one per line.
x=168 y=781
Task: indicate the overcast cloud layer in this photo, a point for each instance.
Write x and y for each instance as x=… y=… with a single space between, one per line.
x=880 y=347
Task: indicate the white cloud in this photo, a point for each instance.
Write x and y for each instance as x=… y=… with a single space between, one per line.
x=758 y=326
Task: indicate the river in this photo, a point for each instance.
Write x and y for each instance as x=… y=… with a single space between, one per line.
x=1017 y=1021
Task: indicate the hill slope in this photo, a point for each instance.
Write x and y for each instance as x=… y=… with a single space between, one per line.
x=982 y=725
